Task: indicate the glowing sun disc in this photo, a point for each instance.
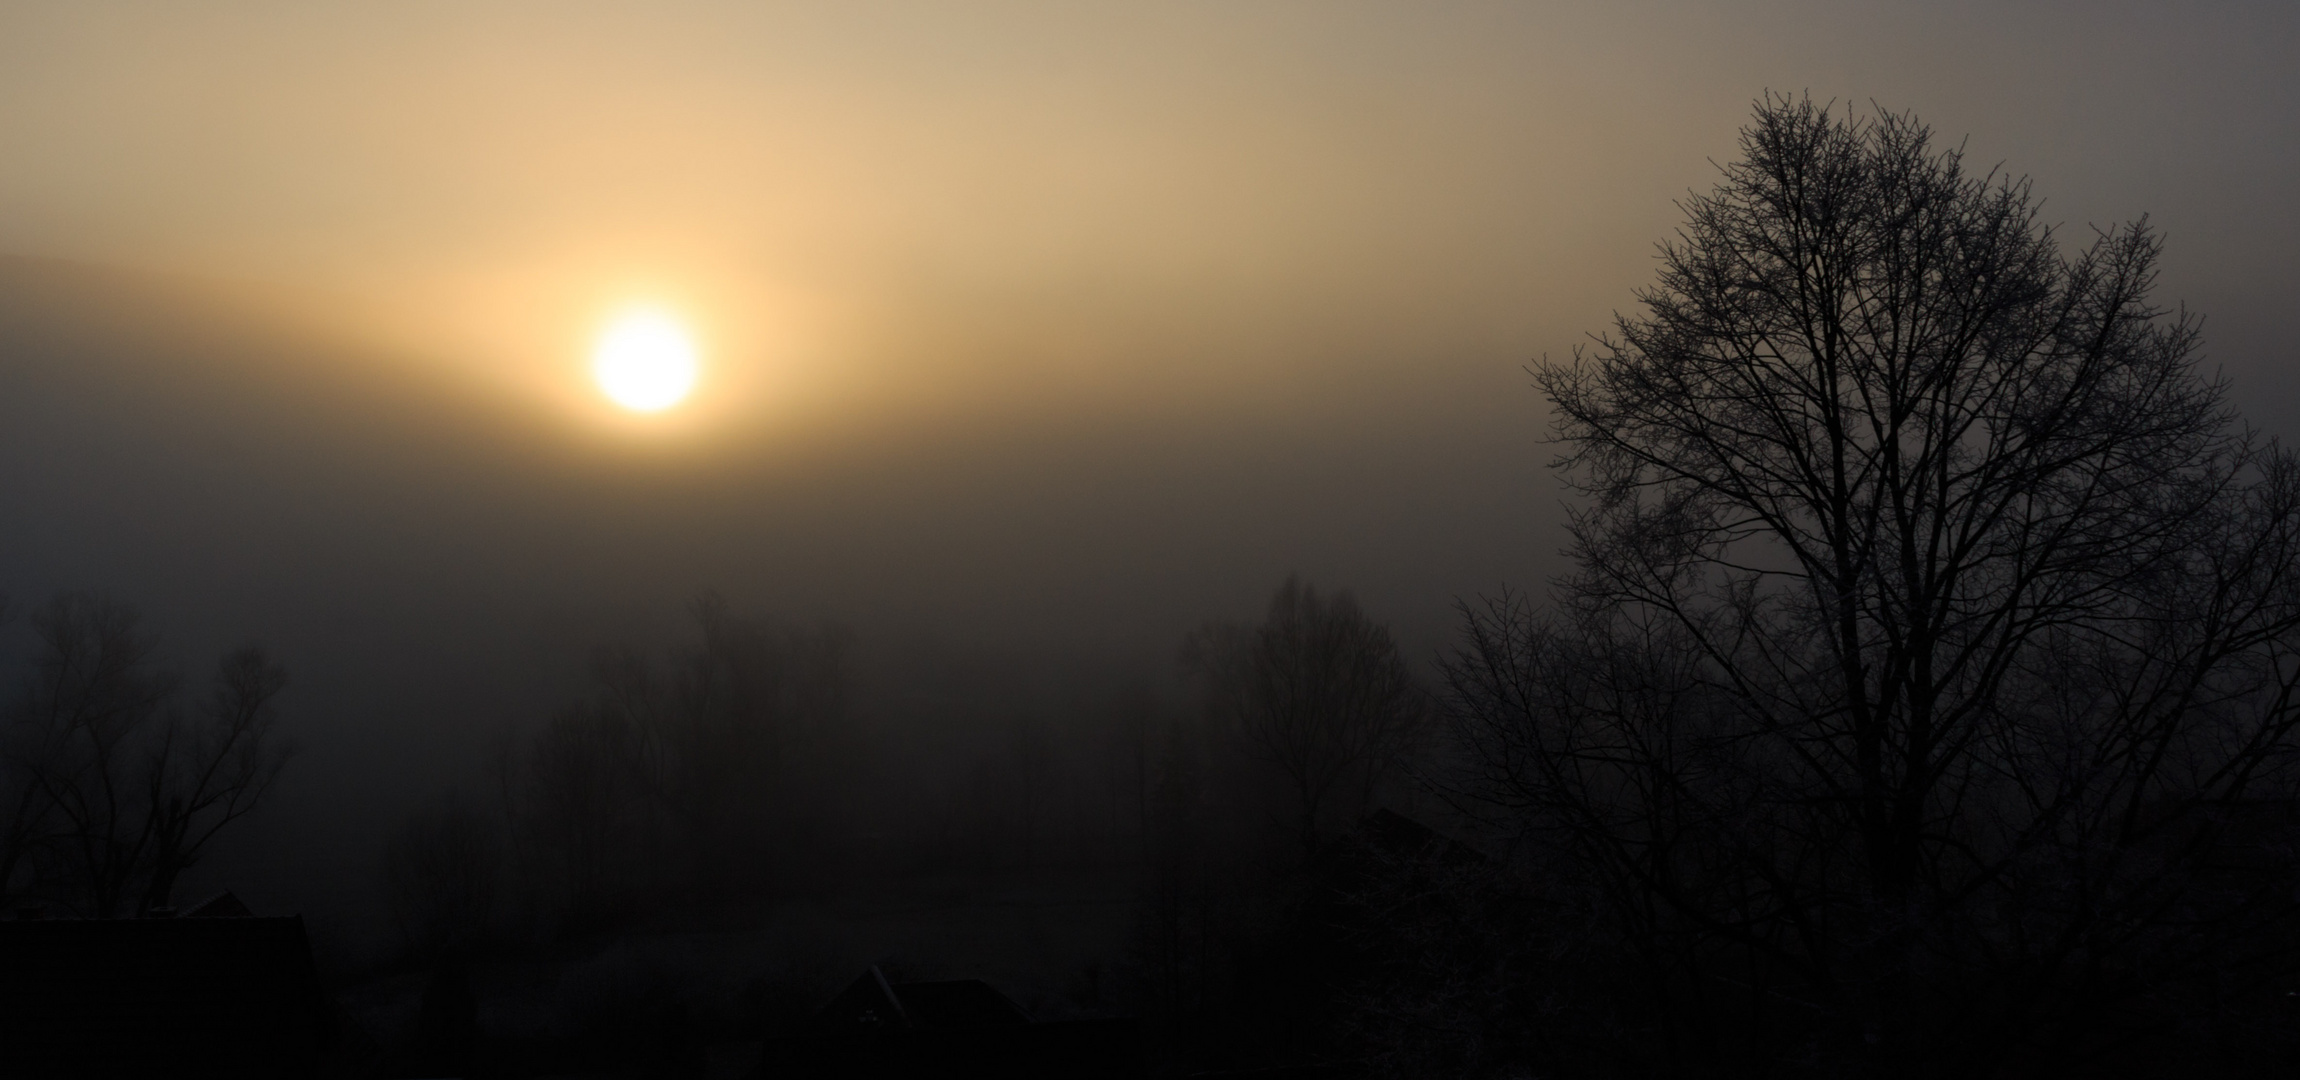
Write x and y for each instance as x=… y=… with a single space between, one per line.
x=644 y=361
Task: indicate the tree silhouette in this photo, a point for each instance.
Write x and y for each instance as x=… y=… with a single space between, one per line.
x=1933 y=626
x=118 y=793
x=443 y=872
x=1319 y=691
x=693 y=773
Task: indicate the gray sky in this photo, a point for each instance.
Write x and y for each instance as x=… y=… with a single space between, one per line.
x=1045 y=326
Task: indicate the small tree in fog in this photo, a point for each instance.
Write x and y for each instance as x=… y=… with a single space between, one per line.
x=1319 y=691
x=687 y=772
x=443 y=869
x=1936 y=627
x=26 y=812
x=582 y=811
x=717 y=735
x=742 y=704
x=119 y=789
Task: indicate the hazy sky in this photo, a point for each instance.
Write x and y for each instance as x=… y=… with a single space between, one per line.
x=1046 y=325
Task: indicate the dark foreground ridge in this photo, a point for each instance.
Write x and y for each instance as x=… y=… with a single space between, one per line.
x=215 y=992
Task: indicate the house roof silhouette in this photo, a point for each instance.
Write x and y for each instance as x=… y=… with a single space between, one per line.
x=871 y=1002
x=877 y=1028
x=211 y=996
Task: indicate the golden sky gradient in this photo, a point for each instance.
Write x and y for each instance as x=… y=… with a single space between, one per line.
x=1245 y=234
x=880 y=208
x=875 y=210
x=1056 y=327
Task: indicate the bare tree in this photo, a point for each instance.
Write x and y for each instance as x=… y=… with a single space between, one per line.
x=717 y=732
x=443 y=873
x=689 y=771
x=1319 y=691
x=206 y=774
x=1933 y=615
x=26 y=812
x=745 y=702
x=121 y=792
x=582 y=811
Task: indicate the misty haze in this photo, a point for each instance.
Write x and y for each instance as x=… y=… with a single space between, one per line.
x=720 y=540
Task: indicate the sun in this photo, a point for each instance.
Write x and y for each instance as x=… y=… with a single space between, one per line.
x=644 y=360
